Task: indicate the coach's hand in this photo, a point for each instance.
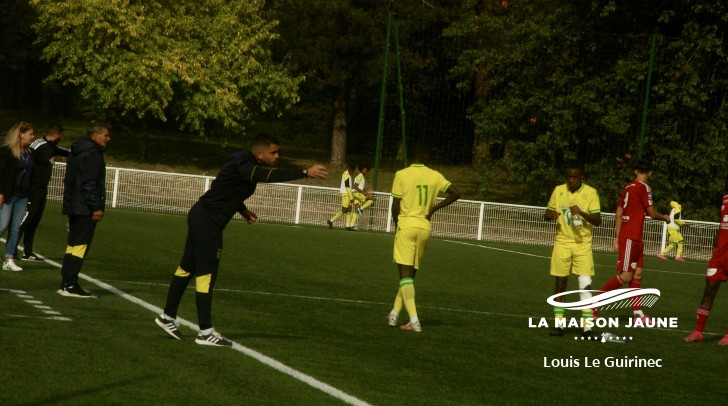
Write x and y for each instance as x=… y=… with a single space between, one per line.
x=250 y=217
x=317 y=171
x=98 y=215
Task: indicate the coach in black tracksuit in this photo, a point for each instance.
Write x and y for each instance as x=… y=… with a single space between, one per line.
x=43 y=150
x=84 y=198
x=206 y=221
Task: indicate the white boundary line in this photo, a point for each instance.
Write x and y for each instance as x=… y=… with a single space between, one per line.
x=277 y=365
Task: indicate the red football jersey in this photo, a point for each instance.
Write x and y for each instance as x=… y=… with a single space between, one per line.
x=722 y=245
x=635 y=199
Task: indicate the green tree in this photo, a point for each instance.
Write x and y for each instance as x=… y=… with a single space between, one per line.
x=565 y=80
x=201 y=63
x=337 y=45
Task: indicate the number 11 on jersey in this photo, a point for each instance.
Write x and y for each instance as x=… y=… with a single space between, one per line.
x=421 y=189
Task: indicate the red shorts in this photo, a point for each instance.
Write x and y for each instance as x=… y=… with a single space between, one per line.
x=718 y=268
x=630 y=255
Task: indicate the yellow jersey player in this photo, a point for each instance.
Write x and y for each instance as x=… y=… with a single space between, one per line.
x=576 y=209
x=362 y=197
x=414 y=191
x=347 y=197
x=675 y=238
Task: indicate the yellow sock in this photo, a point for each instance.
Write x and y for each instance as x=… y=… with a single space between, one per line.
x=558 y=313
x=354 y=218
x=348 y=219
x=407 y=289
x=678 y=254
x=397 y=302
x=367 y=204
x=336 y=216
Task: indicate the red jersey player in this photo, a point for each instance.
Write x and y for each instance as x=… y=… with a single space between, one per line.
x=717 y=273
x=629 y=223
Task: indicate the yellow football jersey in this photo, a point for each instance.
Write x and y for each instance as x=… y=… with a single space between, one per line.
x=417 y=186
x=587 y=199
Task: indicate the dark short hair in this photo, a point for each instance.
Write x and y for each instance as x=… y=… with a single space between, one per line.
x=419 y=152
x=574 y=165
x=54 y=129
x=264 y=140
x=95 y=128
x=364 y=166
x=642 y=166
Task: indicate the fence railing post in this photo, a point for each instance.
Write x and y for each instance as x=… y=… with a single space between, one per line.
x=480 y=221
x=389 y=214
x=298 y=204
x=116 y=188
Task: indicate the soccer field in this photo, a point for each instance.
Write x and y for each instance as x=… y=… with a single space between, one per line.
x=306 y=308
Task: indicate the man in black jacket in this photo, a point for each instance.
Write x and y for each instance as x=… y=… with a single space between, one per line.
x=83 y=201
x=206 y=221
x=43 y=149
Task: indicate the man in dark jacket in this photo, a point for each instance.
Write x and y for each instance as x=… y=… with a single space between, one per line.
x=206 y=221
x=83 y=201
x=43 y=149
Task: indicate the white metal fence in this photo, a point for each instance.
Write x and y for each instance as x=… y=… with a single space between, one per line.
x=300 y=204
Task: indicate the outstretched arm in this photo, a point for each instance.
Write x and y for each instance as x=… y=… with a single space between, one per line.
x=263 y=174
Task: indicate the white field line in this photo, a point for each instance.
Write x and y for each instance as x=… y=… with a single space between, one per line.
x=367 y=302
x=277 y=365
x=545 y=257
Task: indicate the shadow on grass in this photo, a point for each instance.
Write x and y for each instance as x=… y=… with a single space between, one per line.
x=57 y=398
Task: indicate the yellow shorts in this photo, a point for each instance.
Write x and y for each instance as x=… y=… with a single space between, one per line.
x=410 y=245
x=345 y=201
x=359 y=198
x=675 y=235
x=572 y=258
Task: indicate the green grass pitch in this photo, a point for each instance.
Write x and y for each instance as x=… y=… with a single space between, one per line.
x=315 y=300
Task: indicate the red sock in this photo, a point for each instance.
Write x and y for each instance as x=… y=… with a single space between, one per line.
x=703 y=313
x=612 y=284
x=637 y=300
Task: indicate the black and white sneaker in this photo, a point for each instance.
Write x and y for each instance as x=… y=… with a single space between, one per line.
x=170 y=326
x=214 y=339
x=75 y=291
x=32 y=258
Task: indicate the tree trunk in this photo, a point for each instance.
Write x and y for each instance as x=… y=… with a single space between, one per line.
x=144 y=140
x=481 y=147
x=338 y=137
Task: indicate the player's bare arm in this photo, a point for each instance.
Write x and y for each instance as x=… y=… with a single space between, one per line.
x=453 y=194
x=657 y=215
x=551 y=215
x=395 y=210
x=617 y=227
x=593 y=218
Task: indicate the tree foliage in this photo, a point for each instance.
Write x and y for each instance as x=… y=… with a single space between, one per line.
x=200 y=62
x=558 y=81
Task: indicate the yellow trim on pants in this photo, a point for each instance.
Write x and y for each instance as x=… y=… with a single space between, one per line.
x=77 y=250
x=181 y=273
x=202 y=283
